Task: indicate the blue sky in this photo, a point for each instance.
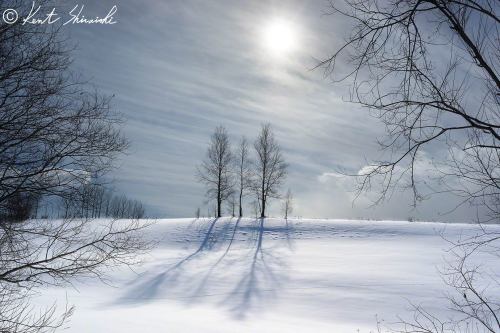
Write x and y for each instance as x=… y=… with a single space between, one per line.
x=180 y=68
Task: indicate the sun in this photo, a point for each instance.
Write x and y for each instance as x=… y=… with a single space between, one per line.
x=279 y=37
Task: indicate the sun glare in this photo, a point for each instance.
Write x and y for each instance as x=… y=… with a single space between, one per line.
x=279 y=37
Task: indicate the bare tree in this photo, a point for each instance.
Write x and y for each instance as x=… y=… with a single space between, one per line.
x=215 y=170
x=197 y=213
x=288 y=203
x=56 y=133
x=429 y=70
x=122 y=207
x=243 y=172
x=270 y=168
x=392 y=59
x=137 y=210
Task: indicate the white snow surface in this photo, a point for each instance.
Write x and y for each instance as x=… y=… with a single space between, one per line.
x=238 y=275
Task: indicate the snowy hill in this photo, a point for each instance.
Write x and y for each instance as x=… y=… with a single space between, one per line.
x=231 y=275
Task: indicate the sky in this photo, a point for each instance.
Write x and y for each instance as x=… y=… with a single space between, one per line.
x=178 y=69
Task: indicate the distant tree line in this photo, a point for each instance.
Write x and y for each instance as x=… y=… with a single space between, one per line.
x=94 y=201
x=89 y=202
x=230 y=175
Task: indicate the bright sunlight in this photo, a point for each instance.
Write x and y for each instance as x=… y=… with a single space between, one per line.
x=280 y=37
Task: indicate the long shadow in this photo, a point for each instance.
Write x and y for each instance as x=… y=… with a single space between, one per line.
x=242 y=279
x=203 y=283
x=149 y=288
x=288 y=231
x=259 y=281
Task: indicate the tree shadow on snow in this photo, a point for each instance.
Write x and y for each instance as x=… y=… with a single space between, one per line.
x=204 y=283
x=240 y=279
x=260 y=281
x=148 y=287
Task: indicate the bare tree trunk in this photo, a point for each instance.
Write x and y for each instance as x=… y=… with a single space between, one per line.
x=219 y=210
x=240 y=205
x=243 y=170
x=219 y=193
x=262 y=191
x=263 y=211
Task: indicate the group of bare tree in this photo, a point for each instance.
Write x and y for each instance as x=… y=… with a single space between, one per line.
x=429 y=69
x=95 y=201
x=55 y=131
x=230 y=176
x=89 y=201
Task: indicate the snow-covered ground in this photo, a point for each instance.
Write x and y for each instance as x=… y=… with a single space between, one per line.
x=231 y=275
